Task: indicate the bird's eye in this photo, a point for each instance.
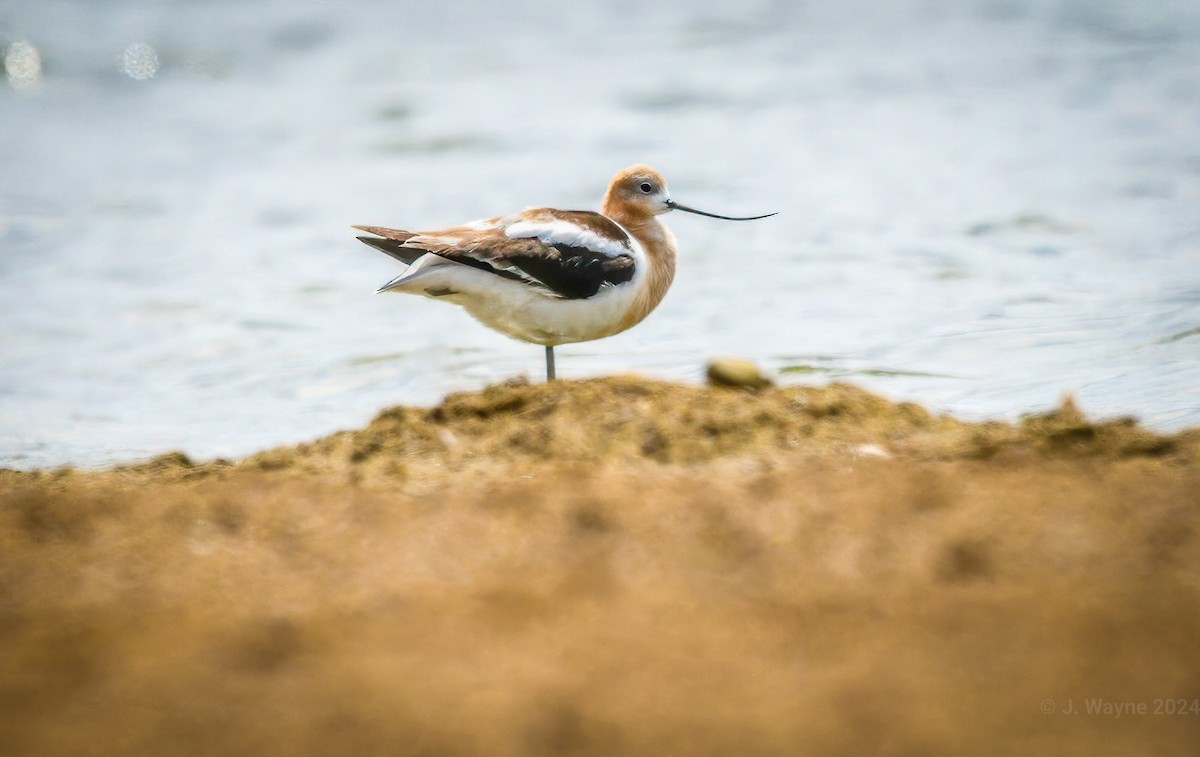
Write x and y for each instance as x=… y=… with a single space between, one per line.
x=646 y=187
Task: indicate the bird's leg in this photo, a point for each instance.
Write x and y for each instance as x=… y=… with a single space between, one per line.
x=549 y=362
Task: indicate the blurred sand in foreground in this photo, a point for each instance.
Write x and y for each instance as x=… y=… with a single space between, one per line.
x=618 y=566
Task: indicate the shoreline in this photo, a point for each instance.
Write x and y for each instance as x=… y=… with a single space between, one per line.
x=537 y=423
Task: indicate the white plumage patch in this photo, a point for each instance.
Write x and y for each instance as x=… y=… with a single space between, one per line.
x=565 y=232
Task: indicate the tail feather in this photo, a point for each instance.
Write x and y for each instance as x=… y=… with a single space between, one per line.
x=396 y=249
x=425 y=266
x=400 y=235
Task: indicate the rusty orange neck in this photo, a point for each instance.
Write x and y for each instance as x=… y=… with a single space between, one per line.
x=659 y=244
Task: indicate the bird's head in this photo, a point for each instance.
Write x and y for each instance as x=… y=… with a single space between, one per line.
x=639 y=192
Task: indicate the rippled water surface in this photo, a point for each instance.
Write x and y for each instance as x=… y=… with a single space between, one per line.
x=983 y=205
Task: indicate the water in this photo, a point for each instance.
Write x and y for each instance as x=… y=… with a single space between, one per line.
x=983 y=205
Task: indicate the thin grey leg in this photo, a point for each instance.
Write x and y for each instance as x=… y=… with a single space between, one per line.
x=549 y=363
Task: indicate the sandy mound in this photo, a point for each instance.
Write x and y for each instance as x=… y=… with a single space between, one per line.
x=617 y=566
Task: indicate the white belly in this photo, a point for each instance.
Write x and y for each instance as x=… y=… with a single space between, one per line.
x=517 y=309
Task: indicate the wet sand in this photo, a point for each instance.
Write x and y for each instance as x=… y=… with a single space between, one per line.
x=617 y=566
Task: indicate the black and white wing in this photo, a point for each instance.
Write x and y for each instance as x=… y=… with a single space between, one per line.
x=563 y=254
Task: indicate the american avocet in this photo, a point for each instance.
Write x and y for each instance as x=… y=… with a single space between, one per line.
x=550 y=276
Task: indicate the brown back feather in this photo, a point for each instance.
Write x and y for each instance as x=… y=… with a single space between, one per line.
x=398 y=234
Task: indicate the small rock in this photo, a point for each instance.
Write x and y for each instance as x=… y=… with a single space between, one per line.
x=872 y=450
x=1069 y=409
x=448 y=440
x=730 y=371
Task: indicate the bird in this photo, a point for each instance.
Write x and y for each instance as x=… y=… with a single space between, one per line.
x=548 y=276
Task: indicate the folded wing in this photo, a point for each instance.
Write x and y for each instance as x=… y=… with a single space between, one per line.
x=564 y=254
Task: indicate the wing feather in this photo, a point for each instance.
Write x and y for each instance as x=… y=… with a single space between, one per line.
x=565 y=254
